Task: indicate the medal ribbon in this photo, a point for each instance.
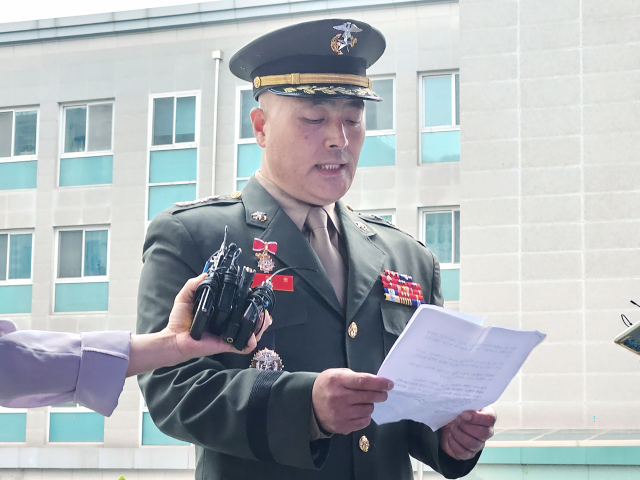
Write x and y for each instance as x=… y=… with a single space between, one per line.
x=260 y=245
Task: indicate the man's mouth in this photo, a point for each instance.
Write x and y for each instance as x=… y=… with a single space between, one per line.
x=330 y=166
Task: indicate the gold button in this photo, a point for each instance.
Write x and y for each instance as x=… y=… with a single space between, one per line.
x=353 y=330
x=236 y=194
x=364 y=444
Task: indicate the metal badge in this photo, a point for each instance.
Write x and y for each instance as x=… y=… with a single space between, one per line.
x=263 y=249
x=261 y=216
x=344 y=40
x=236 y=194
x=361 y=226
x=267 y=359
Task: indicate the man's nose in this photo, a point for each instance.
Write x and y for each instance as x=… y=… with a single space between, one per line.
x=336 y=137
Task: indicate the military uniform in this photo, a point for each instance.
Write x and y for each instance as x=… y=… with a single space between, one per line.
x=242 y=432
x=250 y=423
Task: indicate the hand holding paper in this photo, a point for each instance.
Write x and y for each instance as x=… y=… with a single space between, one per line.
x=443 y=364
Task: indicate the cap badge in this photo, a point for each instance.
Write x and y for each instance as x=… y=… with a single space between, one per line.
x=267 y=359
x=345 y=39
x=261 y=216
x=265 y=262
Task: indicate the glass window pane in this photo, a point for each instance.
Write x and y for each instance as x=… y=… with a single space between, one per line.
x=70 y=254
x=82 y=297
x=248 y=103
x=6 y=130
x=456 y=229
x=13 y=427
x=164 y=196
x=18 y=175
x=186 y=119
x=379 y=115
x=162 y=121
x=96 y=170
x=378 y=151
x=76 y=427
x=438 y=147
x=437 y=235
x=100 y=126
x=15 y=299
x=457 y=79
x=4 y=244
x=437 y=101
x=240 y=184
x=249 y=158
x=95 y=252
x=173 y=165
x=26 y=126
x=450 y=281
x=20 y=256
x=75 y=129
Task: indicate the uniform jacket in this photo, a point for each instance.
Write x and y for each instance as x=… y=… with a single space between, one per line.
x=49 y=368
x=246 y=423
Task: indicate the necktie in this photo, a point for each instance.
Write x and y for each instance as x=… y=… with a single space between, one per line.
x=327 y=253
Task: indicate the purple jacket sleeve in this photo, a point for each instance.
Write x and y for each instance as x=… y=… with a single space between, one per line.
x=48 y=368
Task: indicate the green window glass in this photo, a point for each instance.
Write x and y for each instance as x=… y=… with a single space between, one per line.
x=450 y=281
x=26 y=130
x=378 y=151
x=163 y=121
x=82 y=297
x=151 y=435
x=167 y=166
x=185 y=119
x=379 y=115
x=4 y=246
x=249 y=158
x=439 y=147
x=18 y=175
x=6 y=133
x=75 y=171
x=76 y=427
x=240 y=184
x=75 y=129
x=15 y=299
x=442 y=236
x=248 y=103
x=162 y=197
x=95 y=252
x=437 y=101
x=20 y=256
x=13 y=427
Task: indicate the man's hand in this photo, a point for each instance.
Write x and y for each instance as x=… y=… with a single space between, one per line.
x=343 y=399
x=464 y=437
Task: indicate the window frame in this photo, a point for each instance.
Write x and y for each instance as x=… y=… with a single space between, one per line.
x=83 y=278
x=392 y=131
x=455 y=122
x=18 y=281
x=380 y=212
x=237 y=131
x=22 y=158
x=173 y=146
x=85 y=153
x=423 y=226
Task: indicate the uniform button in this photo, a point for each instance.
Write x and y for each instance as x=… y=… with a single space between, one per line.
x=364 y=444
x=353 y=330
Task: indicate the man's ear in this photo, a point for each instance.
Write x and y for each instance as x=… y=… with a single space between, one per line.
x=258 y=120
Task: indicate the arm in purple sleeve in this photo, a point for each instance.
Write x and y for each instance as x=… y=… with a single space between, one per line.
x=47 y=368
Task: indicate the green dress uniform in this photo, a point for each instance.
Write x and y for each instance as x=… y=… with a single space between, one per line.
x=250 y=423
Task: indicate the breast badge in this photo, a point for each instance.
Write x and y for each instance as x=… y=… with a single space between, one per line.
x=263 y=249
x=267 y=359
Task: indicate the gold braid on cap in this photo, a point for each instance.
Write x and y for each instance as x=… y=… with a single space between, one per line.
x=306 y=78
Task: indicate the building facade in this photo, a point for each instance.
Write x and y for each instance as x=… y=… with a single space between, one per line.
x=505 y=142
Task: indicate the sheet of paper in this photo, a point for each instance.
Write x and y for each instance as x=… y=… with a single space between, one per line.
x=443 y=364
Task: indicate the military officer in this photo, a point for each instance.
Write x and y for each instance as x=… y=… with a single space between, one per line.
x=306 y=412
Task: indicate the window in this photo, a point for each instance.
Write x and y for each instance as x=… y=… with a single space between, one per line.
x=440 y=139
x=82 y=283
x=441 y=233
x=16 y=260
x=248 y=153
x=388 y=215
x=18 y=148
x=70 y=422
x=13 y=425
x=173 y=151
x=151 y=435
x=87 y=150
x=379 y=147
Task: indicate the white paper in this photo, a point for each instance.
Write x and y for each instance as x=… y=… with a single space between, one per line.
x=445 y=363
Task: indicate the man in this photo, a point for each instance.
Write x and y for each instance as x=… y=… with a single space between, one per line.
x=331 y=331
